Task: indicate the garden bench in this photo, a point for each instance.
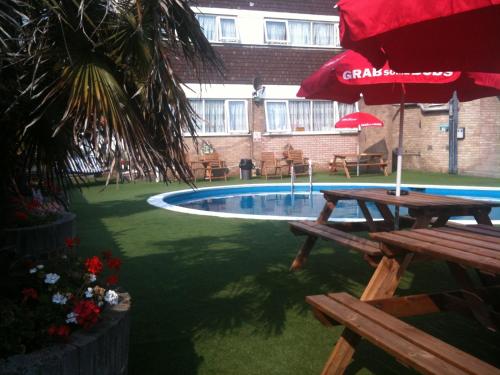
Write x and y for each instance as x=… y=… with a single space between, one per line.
x=355 y=161
x=314 y=230
x=409 y=345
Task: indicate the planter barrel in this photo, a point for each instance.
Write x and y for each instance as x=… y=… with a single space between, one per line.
x=41 y=239
x=101 y=350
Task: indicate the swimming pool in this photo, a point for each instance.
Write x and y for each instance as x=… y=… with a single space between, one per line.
x=276 y=202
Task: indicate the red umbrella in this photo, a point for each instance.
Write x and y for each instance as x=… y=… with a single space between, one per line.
x=358 y=120
x=348 y=76
x=424 y=35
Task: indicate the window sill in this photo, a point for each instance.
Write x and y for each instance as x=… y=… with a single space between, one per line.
x=243 y=134
x=308 y=133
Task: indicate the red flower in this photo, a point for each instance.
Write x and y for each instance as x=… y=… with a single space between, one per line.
x=33 y=204
x=87 y=313
x=29 y=293
x=114 y=263
x=94 y=265
x=63 y=330
x=107 y=254
x=112 y=280
x=71 y=242
x=21 y=216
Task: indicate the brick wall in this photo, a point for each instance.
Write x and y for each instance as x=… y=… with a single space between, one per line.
x=276 y=65
x=426 y=145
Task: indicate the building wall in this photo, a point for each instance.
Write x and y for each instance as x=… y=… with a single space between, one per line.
x=281 y=68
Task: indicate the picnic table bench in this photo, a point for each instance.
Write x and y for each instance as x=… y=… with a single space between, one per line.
x=374 y=315
x=346 y=161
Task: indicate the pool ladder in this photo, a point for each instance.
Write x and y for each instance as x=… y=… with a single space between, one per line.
x=293 y=177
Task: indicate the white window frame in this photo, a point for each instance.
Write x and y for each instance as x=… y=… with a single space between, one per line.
x=218 y=29
x=226 y=116
x=289 y=130
x=275 y=41
x=336 y=33
x=227 y=130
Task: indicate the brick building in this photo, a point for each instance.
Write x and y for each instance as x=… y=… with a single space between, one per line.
x=268 y=48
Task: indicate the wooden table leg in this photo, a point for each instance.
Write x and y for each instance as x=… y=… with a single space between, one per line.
x=310 y=241
x=441 y=221
x=422 y=221
x=383 y=284
x=367 y=215
x=386 y=214
x=483 y=218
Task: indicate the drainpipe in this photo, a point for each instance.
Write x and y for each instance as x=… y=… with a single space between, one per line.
x=452 y=133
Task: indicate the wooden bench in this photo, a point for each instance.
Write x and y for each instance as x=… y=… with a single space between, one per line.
x=370 y=249
x=409 y=345
x=363 y=160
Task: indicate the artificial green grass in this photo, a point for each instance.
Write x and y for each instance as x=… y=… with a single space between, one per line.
x=214 y=295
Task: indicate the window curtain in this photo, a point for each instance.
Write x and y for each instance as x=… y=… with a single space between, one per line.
x=345 y=109
x=275 y=30
x=323 y=34
x=300 y=114
x=214 y=116
x=276 y=116
x=228 y=28
x=198 y=108
x=300 y=32
x=207 y=24
x=237 y=116
x=323 y=116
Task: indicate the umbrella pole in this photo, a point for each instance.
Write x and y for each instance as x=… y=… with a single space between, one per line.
x=400 y=154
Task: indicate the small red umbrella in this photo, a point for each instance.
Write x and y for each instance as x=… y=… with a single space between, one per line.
x=349 y=76
x=424 y=35
x=358 y=120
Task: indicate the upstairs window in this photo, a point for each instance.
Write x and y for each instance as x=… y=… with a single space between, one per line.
x=302 y=33
x=217 y=116
x=276 y=32
x=218 y=28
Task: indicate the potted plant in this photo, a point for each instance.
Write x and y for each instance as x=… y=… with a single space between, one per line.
x=53 y=303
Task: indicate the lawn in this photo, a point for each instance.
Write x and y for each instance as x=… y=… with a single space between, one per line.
x=214 y=295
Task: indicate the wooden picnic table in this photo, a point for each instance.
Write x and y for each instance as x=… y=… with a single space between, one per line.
x=424 y=210
x=476 y=247
x=422 y=207
x=365 y=159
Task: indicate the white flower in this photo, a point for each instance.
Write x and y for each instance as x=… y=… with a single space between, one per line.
x=40 y=266
x=59 y=298
x=92 y=277
x=34 y=270
x=111 y=297
x=51 y=278
x=89 y=293
x=71 y=318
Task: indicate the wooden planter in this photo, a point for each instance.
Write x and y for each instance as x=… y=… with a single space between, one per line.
x=101 y=350
x=41 y=239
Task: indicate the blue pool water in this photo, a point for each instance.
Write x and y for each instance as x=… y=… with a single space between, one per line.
x=275 y=201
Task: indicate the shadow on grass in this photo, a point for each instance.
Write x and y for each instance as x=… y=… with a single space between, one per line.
x=207 y=291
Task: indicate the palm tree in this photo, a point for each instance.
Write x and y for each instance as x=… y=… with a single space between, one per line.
x=95 y=79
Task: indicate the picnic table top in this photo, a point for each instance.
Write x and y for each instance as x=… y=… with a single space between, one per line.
x=477 y=247
x=413 y=199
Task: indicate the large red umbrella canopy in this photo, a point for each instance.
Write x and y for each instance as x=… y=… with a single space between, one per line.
x=424 y=35
x=348 y=76
x=358 y=120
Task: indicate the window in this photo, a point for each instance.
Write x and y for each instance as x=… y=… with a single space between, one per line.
x=218 y=116
x=218 y=28
x=304 y=115
x=302 y=33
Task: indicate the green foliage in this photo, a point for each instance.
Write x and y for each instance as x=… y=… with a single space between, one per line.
x=94 y=79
